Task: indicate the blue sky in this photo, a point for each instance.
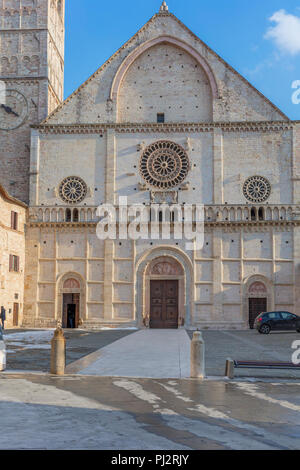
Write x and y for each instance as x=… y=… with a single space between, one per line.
x=260 y=39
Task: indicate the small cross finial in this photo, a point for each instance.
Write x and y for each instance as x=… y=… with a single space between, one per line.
x=164 y=7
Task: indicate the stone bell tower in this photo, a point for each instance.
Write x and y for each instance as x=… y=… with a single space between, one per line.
x=31 y=81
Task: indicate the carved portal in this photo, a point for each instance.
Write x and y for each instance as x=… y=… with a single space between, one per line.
x=257 y=289
x=166 y=268
x=71 y=284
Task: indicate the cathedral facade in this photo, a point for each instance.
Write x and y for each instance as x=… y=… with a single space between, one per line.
x=164 y=120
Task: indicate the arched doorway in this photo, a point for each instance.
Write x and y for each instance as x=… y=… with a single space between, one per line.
x=71 y=300
x=164 y=277
x=258 y=301
x=165 y=263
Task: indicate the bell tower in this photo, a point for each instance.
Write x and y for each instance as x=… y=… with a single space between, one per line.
x=31 y=81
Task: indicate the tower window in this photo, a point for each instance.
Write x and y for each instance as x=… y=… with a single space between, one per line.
x=161 y=118
x=14 y=220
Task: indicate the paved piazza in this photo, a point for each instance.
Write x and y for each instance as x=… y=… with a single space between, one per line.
x=44 y=412
x=108 y=352
x=258 y=410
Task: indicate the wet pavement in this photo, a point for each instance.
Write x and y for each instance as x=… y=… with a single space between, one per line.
x=76 y=412
x=249 y=345
x=29 y=350
x=145 y=354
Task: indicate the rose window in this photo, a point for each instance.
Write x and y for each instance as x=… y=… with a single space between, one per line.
x=257 y=189
x=164 y=165
x=72 y=190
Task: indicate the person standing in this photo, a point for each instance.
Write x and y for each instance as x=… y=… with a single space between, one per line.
x=3 y=316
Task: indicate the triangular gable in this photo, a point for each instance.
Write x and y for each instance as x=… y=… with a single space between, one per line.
x=96 y=89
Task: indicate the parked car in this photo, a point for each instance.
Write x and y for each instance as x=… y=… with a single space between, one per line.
x=269 y=321
x=2 y=351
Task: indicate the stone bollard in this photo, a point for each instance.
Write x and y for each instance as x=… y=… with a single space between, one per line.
x=2 y=357
x=58 y=353
x=229 y=371
x=197 y=356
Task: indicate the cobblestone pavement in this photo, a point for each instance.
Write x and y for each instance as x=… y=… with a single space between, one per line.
x=76 y=412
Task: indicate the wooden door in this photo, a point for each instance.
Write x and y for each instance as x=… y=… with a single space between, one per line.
x=256 y=306
x=164 y=304
x=76 y=301
x=16 y=315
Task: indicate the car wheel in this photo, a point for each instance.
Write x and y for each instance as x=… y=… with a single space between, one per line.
x=298 y=331
x=265 y=329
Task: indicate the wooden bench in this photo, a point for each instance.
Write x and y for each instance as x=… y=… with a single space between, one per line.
x=231 y=365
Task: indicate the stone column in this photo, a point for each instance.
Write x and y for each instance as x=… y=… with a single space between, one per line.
x=218 y=166
x=296 y=164
x=217 y=275
x=109 y=244
x=297 y=269
x=110 y=166
x=34 y=168
x=108 y=279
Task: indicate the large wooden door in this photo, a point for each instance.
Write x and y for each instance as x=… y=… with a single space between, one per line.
x=256 y=306
x=164 y=304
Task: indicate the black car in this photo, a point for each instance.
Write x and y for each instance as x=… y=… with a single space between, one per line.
x=267 y=322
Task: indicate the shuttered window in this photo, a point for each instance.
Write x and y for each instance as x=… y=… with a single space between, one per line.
x=14 y=220
x=14 y=263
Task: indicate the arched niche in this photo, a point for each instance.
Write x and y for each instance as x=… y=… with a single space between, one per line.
x=71 y=285
x=165 y=263
x=164 y=75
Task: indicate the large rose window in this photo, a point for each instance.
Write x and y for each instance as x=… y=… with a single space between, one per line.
x=164 y=165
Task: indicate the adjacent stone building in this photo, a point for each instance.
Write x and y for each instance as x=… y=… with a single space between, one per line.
x=12 y=257
x=165 y=119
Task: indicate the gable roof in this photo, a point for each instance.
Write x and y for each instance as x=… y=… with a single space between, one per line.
x=166 y=13
x=10 y=198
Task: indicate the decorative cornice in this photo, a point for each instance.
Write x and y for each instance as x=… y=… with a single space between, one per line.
x=249 y=225
x=130 y=128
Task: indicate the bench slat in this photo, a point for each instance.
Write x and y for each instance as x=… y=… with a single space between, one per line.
x=265 y=365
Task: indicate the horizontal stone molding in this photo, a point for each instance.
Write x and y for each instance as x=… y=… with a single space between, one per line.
x=131 y=128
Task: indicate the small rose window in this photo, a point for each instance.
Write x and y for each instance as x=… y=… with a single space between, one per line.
x=72 y=190
x=257 y=189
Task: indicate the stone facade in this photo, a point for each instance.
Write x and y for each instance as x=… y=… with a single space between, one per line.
x=164 y=85
x=32 y=65
x=12 y=243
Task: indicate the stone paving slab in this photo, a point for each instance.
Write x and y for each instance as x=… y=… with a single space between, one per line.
x=145 y=354
x=249 y=345
x=44 y=412
x=29 y=349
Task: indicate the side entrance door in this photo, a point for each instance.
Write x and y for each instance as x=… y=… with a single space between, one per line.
x=70 y=310
x=16 y=315
x=256 y=306
x=164 y=304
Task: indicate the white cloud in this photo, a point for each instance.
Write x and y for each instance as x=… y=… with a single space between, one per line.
x=286 y=32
